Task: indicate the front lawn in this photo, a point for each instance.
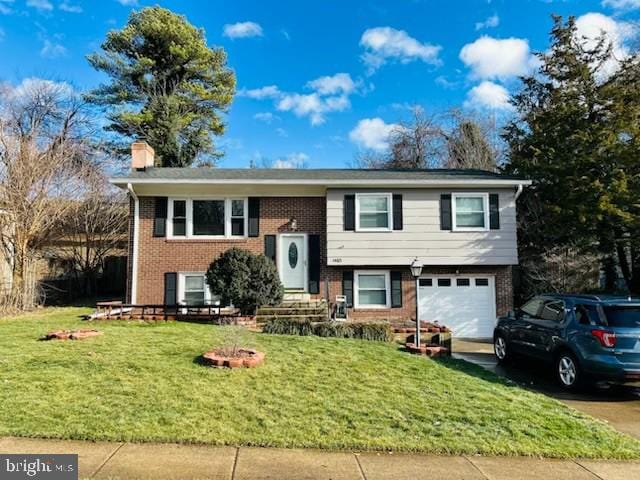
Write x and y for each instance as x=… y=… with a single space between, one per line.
x=141 y=382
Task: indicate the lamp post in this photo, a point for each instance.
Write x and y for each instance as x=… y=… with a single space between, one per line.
x=416 y=270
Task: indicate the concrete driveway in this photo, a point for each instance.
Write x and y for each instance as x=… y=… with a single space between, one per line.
x=620 y=407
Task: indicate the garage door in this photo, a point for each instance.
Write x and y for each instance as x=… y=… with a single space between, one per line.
x=466 y=304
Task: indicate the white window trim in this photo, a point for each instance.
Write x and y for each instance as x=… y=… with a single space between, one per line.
x=182 y=284
x=389 y=227
x=356 y=288
x=189 y=221
x=485 y=206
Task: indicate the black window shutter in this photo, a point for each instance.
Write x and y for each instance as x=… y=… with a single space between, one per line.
x=445 y=211
x=396 y=289
x=397 y=212
x=314 y=263
x=170 y=288
x=494 y=211
x=270 y=247
x=254 y=216
x=347 y=286
x=349 y=212
x=160 y=217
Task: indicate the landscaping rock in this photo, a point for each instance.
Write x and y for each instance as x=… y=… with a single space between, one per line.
x=71 y=334
x=246 y=358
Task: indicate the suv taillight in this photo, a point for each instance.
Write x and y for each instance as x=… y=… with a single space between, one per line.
x=606 y=339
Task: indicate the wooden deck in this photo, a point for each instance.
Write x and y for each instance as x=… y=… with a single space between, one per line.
x=159 y=312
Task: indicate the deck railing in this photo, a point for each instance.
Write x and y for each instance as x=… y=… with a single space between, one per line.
x=204 y=313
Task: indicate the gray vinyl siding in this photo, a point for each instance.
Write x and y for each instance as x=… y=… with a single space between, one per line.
x=421 y=236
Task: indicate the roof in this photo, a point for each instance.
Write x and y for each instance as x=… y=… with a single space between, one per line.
x=329 y=176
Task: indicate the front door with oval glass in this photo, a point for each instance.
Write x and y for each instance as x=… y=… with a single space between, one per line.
x=293 y=261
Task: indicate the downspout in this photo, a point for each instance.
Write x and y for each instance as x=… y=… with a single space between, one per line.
x=519 y=190
x=134 y=252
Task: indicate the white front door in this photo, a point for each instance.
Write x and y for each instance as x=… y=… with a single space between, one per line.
x=464 y=303
x=293 y=261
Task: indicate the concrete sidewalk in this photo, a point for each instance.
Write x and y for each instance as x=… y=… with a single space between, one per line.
x=167 y=461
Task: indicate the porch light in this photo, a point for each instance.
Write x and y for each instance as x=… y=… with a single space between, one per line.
x=416 y=270
x=293 y=224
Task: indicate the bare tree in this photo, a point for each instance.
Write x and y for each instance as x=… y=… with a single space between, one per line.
x=42 y=150
x=472 y=142
x=94 y=228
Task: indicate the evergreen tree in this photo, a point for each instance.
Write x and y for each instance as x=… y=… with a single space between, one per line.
x=167 y=85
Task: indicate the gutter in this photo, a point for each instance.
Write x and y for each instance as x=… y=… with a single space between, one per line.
x=134 y=252
x=519 y=190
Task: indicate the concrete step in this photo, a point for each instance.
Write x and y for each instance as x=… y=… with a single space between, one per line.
x=297 y=296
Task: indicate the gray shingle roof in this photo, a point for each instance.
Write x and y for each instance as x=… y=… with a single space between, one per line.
x=320 y=174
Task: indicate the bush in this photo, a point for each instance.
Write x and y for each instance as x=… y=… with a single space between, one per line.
x=245 y=279
x=377 y=332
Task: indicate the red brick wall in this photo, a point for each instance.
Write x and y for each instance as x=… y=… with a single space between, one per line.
x=503 y=284
x=159 y=255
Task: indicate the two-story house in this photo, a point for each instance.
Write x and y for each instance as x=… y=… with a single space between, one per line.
x=331 y=232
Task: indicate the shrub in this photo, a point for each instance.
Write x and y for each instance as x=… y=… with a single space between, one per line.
x=245 y=279
x=379 y=332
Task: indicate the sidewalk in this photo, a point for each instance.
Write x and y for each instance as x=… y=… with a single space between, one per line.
x=167 y=461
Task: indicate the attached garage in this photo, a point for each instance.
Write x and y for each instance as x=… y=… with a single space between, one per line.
x=464 y=303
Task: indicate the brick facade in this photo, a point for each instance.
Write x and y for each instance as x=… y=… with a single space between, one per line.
x=156 y=256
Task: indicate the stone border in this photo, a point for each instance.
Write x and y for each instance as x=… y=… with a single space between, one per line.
x=214 y=359
x=72 y=334
x=428 y=350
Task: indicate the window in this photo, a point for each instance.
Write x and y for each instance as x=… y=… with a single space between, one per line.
x=237 y=218
x=444 y=282
x=179 y=218
x=482 y=282
x=372 y=289
x=552 y=310
x=373 y=211
x=207 y=218
x=622 y=316
x=531 y=307
x=470 y=211
x=463 y=282
x=193 y=290
x=587 y=315
x=425 y=282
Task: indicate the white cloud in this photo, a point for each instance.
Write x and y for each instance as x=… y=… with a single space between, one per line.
x=589 y=29
x=128 y=3
x=329 y=94
x=5 y=9
x=29 y=87
x=488 y=95
x=66 y=6
x=266 y=117
x=385 y=43
x=621 y=4
x=330 y=85
x=490 y=58
x=490 y=22
x=270 y=91
x=293 y=160
x=242 y=30
x=282 y=132
x=42 y=5
x=372 y=133
x=52 y=50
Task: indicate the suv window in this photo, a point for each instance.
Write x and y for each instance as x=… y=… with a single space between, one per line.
x=532 y=307
x=623 y=316
x=587 y=315
x=552 y=310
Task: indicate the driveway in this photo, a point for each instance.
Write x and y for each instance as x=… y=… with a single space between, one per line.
x=620 y=407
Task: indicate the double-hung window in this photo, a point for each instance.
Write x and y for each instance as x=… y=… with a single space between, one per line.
x=373 y=211
x=193 y=290
x=207 y=218
x=470 y=211
x=372 y=289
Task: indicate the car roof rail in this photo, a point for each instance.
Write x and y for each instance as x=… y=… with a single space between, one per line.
x=585 y=296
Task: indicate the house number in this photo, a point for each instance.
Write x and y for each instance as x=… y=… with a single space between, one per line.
x=336 y=260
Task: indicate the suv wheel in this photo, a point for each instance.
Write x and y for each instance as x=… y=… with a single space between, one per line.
x=568 y=371
x=501 y=349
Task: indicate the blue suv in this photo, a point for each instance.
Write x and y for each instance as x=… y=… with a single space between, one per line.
x=585 y=337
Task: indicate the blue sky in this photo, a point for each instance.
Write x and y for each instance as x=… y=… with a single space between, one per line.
x=319 y=82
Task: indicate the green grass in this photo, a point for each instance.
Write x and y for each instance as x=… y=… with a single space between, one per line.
x=141 y=382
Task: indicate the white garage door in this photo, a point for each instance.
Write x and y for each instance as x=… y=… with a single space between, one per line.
x=466 y=304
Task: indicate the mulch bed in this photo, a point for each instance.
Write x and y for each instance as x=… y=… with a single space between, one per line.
x=71 y=334
x=245 y=357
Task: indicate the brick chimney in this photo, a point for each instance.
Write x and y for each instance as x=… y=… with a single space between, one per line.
x=141 y=155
